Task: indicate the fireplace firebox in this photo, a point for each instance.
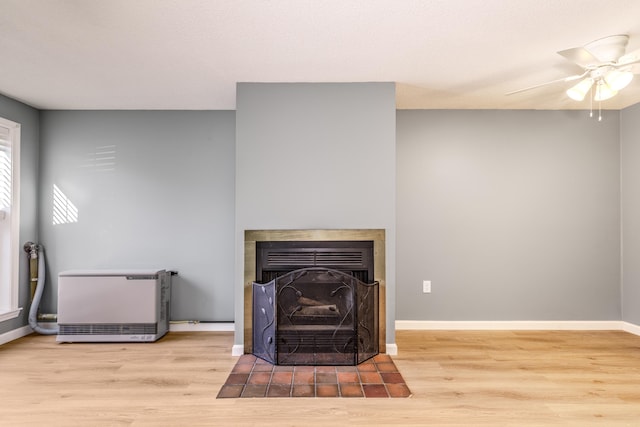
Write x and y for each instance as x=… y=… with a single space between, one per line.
x=313 y=303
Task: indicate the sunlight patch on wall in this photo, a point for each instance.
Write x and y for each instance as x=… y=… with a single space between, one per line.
x=64 y=212
x=103 y=159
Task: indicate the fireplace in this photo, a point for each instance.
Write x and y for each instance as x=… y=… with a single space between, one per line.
x=253 y=273
x=313 y=303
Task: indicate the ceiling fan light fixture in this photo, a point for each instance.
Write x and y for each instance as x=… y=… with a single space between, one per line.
x=618 y=79
x=579 y=91
x=603 y=92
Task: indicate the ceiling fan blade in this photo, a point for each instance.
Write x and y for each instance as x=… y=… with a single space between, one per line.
x=563 y=80
x=580 y=56
x=629 y=58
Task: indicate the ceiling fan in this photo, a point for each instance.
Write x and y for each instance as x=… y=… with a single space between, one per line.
x=606 y=68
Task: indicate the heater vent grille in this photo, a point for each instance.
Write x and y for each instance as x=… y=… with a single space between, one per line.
x=109 y=329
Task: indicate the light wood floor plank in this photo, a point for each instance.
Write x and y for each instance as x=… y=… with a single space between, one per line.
x=458 y=378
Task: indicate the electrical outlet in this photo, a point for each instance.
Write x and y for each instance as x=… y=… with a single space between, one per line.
x=426 y=286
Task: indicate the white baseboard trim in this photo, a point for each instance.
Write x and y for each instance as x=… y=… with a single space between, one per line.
x=237 y=350
x=201 y=327
x=173 y=327
x=631 y=328
x=392 y=349
x=570 y=325
x=15 y=334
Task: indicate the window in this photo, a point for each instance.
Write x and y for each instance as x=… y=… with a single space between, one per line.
x=10 y=250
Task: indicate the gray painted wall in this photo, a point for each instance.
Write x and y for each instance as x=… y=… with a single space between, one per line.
x=513 y=215
x=630 y=179
x=315 y=156
x=28 y=118
x=165 y=201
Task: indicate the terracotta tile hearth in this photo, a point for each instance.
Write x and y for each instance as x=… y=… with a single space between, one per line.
x=254 y=377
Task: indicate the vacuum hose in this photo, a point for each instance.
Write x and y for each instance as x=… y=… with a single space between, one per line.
x=33 y=250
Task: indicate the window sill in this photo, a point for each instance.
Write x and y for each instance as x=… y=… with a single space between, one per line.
x=10 y=315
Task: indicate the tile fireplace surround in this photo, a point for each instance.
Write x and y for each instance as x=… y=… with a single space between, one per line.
x=253 y=236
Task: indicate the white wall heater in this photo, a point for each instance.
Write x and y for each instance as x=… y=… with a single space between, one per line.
x=113 y=306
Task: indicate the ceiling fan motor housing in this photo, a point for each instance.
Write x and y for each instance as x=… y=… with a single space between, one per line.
x=600 y=72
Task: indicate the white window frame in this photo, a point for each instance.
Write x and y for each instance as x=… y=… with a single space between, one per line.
x=13 y=290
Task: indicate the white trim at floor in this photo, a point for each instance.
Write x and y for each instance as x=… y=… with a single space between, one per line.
x=392 y=348
x=15 y=334
x=237 y=350
x=435 y=325
x=631 y=328
x=173 y=327
x=177 y=326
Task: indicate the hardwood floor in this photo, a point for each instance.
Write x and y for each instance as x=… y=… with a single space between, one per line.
x=528 y=378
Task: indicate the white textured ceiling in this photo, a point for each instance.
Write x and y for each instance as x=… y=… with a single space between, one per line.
x=189 y=54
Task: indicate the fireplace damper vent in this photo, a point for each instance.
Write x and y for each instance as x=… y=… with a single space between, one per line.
x=279 y=257
x=305 y=258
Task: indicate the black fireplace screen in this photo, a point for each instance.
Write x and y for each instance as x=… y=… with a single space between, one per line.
x=315 y=316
